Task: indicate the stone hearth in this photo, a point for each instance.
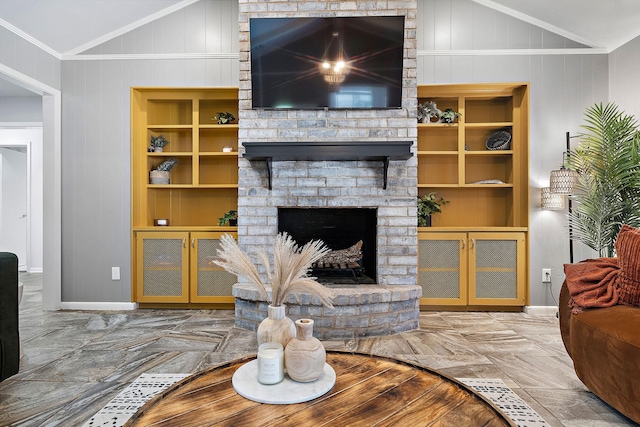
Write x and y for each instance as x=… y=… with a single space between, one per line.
x=359 y=311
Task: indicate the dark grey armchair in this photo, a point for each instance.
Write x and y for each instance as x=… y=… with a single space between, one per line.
x=9 y=336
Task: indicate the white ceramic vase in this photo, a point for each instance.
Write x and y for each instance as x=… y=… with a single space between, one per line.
x=304 y=356
x=277 y=327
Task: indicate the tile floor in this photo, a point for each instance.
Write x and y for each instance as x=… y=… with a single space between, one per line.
x=77 y=361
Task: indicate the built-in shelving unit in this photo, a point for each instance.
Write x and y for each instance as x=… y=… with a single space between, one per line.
x=203 y=186
x=483 y=229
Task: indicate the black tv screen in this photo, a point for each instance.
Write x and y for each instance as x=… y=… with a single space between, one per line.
x=294 y=62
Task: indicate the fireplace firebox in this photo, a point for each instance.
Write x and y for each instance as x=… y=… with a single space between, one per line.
x=339 y=229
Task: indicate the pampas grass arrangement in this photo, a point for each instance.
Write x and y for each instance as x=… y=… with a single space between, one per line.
x=291 y=264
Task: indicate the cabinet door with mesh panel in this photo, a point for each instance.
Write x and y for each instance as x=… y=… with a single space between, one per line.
x=209 y=282
x=497 y=269
x=442 y=268
x=163 y=267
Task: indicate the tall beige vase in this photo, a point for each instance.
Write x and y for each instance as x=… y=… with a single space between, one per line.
x=304 y=356
x=277 y=327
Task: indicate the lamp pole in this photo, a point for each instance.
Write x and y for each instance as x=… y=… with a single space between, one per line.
x=570 y=228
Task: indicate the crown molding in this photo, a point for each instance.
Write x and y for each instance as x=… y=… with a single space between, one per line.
x=624 y=41
x=127 y=28
x=538 y=23
x=37 y=43
x=513 y=52
x=150 y=56
x=234 y=55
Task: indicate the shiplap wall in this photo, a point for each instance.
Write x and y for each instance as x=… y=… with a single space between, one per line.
x=24 y=57
x=96 y=129
x=624 y=79
x=96 y=135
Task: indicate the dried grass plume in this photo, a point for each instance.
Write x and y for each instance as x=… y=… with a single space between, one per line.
x=291 y=264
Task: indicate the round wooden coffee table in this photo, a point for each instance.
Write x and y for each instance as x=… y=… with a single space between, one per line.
x=369 y=390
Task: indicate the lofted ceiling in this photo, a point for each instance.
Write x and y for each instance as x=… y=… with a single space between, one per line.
x=67 y=27
x=604 y=24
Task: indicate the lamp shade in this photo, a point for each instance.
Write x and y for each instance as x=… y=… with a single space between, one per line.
x=551 y=201
x=562 y=181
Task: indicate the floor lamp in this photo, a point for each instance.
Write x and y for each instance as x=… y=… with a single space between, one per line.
x=562 y=181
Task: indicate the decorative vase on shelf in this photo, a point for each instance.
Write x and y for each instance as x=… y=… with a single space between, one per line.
x=276 y=327
x=304 y=356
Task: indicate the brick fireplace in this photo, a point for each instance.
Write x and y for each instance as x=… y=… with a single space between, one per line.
x=391 y=305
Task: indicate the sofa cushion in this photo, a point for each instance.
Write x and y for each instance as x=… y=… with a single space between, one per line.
x=605 y=348
x=627 y=250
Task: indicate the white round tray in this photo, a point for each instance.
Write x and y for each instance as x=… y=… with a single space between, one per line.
x=245 y=383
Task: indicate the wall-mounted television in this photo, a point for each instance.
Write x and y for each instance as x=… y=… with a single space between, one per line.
x=295 y=62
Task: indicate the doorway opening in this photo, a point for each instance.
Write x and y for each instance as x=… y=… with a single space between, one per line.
x=15 y=193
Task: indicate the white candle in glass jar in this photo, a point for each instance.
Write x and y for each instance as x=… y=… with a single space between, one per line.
x=270 y=363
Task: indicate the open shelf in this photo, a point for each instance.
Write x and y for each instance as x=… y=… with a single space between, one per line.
x=204 y=182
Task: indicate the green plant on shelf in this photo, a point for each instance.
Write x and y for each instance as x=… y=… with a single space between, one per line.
x=449 y=116
x=428 y=112
x=231 y=217
x=167 y=165
x=428 y=205
x=158 y=141
x=224 y=118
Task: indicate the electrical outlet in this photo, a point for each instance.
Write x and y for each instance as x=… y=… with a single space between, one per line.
x=546 y=275
x=115 y=273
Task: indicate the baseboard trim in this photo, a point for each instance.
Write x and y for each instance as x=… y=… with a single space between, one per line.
x=541 y=310
x=99 y=306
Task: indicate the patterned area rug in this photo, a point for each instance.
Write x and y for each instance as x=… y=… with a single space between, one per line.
x=129 y=400
x=507 y=400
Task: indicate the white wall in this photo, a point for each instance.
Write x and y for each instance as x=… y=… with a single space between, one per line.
x=14 y=109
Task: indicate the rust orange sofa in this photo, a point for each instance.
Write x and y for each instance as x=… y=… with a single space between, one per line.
x=604 y=344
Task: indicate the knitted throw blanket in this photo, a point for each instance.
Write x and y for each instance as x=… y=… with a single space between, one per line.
x=592 y=283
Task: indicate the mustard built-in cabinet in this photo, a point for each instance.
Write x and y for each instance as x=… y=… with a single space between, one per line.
x=475 y=254
x=172 y=263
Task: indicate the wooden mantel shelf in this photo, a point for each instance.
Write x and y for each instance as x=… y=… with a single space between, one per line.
x=383 y=151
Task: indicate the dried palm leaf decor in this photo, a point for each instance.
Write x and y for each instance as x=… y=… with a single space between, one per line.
x=291 y=265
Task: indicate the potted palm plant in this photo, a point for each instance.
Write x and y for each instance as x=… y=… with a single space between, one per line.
x=607 y=192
